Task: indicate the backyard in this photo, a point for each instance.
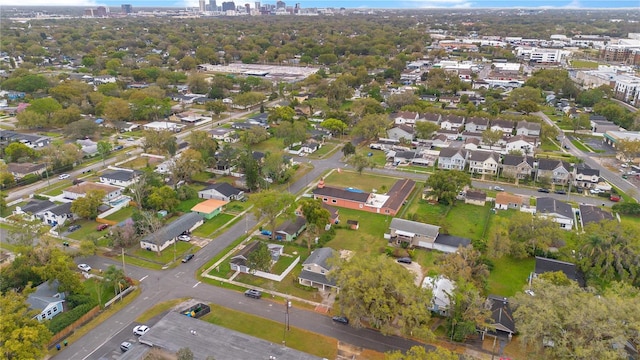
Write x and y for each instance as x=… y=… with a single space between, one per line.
x=364 y=182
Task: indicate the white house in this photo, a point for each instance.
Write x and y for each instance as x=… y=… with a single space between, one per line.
x=528 y=129
x=80 y=190
x=47 y=299
x=57 y=215
x=442 y=289
x=483 y=162
x=315 y=269
x=168 y=235
x=520 y=143
x=452 y=159
x=120 y=177
x=221 y=191
x=406 y=117
x=452 y=122
x=558 y=211
x=476 y=124
x=505 y=126
x=224 y=135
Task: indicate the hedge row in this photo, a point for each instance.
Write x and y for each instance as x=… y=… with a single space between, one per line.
x=68 y=317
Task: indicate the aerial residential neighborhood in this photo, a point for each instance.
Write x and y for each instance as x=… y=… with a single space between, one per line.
x=284 y=181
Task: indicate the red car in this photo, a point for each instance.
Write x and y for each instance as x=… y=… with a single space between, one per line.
x=614 y=198
x=102 y=227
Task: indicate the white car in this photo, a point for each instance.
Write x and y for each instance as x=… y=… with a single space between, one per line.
x=595 y=191
x=140 y=330
x=184 y=238
x=84 y=267
x=63 y=176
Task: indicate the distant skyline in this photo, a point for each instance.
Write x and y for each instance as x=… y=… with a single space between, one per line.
x=374 y=4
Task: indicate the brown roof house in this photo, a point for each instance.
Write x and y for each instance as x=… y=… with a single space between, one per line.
x=80 y=190
x=210 y=208
x=475 y=197
x=20 y=170
x=506 y=201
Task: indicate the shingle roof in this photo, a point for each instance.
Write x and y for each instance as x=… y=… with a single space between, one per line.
x=450 y=152
x=505 y=124
x=292 y=227
x=552 y=206
x=36 y=206
x=483 y=156
x=476 y=195
x=399 y=193
x=319 y=257
x=454 y=119
x=24 y=168
x=173 y=229
x=515 y=160
x=528 y=125
x=593 y=214
x=223 y=188
x=550 y=164
x=453 y=241
x=477 y=121
x=415 y=227
x=341 y=194
x=120 y=175
x=501 y=314
x=316 y=278
x=62 y=209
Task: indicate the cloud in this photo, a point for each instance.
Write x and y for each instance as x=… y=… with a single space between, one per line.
x=49 y=3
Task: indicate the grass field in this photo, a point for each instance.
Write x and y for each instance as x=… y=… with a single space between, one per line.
x=211 y=226
x=186 y=205
x=272 y=145
x=369 y=238
x=167 y=255
x=272 y=331
x=364 y=182
x=581 y=146
x=509 y=275
x=462 y=219
x=121 y=214
x=583 y=64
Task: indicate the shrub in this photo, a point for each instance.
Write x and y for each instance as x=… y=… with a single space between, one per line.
x=67 y=318
x=627 y=208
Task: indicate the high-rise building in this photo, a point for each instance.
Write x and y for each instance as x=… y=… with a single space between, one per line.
x=201 y=3
x=126 y=8
x=247 y=8
x=257 y=5
x=281 y=5
x=101 y=11
x=212 y=5
x=228 y=5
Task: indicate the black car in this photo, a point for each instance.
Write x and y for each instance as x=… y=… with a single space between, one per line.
x=187 y=258
x=253 y=294
x=560 y=192
x=340 y=319
x=543 y=190
x=73 y=228
x=404 y=260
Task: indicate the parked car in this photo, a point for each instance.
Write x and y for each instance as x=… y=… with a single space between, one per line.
x=73 y=228
x=125 y=346
x=140 y=330
x=404 y=260
x=595 y=191
x=265 y=232
x=84 y=267
x=102 y=227
x=614 y=197
x=560 y=192
x=63 y=176
x=498 y=188
x=252 y=293
x=544 y=190
x=184 y=238
x=340 y=319
x=187 y=258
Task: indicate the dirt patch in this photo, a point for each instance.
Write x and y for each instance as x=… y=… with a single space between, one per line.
x=416 y=270
x=348 y=351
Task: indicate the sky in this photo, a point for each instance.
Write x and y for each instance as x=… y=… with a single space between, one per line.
x=401 y=4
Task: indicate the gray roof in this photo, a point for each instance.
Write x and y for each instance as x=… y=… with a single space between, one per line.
x=223 y=188
x=120 y=175
x=476 y=195
x=505 y=124
x=587 y=171
x=501 y=314
x=62 y=209
x=292 y=227
x=478 y=121
x=415 y=227
x=175 y=331
x=43 y=296
x=528 y=125
x=37 y=206
x=341 y=194
x=483 y=156
x=319 y=257
x=547 y=205
x=515 y=160
x=450 y=152
x=593 y=214
x=316 y=278
x=174 y=229
x=453 y=241
x=550 y=164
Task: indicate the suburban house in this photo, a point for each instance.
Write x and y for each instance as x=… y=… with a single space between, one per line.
x=528 y=129
x=34 y=208
x=525 y=145
x=315 y=269
x=33 y=141
x=209 y=208
x=452 y=122
x=517 y=166
x=476 y=124
x=483 y=162
x=423 y=235
x=401 y=132
x=239 y=262
x=590 y=214
x=585 y=177
x=80 y=190
x=224 y=135
x=501 y=315
x=333 y=213
x=20 y=170
x=221 y=191
x=356 y=199
x=556 y=171
x=558 y=211
x=442 y=289
x=505 y=201
x=505 y=126
x=309 y=147
x=168 y=234
x=122 y=126
x=58 y=214
x=545 y=265
x=120 y=177
x=291 y=229
x=430 y=117
x=475 y=197
x=406 y=117
x=452 y=159
x=46 y=299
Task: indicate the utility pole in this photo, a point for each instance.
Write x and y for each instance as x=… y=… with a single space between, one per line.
x=124 y=270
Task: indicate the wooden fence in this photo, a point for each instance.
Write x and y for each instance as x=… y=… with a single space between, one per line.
x=76 y=324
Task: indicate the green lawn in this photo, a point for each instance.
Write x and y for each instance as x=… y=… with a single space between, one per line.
x=581 y=146
x=167 y=255
x=211 y=226
x=326 y=149
x=98 y=290
x=369 y=238
x=88 y=229
x=186 y=205
x=273 y=144
x=364 y=182
x=319 y=345
x=509 y=275
x=121 y=214
x=283 y=263
x=584 y=64
x=56 y=189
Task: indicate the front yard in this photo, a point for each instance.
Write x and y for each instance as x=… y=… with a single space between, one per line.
x=176 y=251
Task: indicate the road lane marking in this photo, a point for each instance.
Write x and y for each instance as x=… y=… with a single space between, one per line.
x=198 y=283
x=146 y=276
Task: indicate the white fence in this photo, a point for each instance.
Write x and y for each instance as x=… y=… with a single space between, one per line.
x=275 y=277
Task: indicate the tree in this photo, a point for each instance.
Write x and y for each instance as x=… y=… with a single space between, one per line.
x=17 y=151
x=31 y=119
x=315 y=214
x=202 y=142
x=251 y=169
x=198 y=84
x=160 y=141
x=348 y=149
x=292 y=133
x=45 y=106
x=163 y=198
x=280 y=114
x=360 y=161
x=529 y=234
x=524 y=94
x=217 y=106
x=580 y=122
x=424 y=129
x=376 y=288
x=273 y=167
x=396 y=101
x=629 y=149
x=104 y=148
x=467 y=311
x=81 y=129
x=60 y=267
x=114 y=277
x=371 y=126
x=579 y=324
x=445 y=185
x=117 y=109
x=421 y=353
x=334 y=125
x=254 y=135
x=185 y=166
x=226 y=156
x=86 y=207
x=491 y=136
x=66 y=116
x=22 y=336
x=260 y=258
x=527 y=106
x=249 y=99
x=465 y=265
x=184 y=354
x=271 y=205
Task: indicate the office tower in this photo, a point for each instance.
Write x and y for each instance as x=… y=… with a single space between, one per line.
x=201 y=3
x=257 y=5
x=228 y=5
x=247 y=7
x=213 y=5
x=126 y=8
x=281 y=5
x=101 y=11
